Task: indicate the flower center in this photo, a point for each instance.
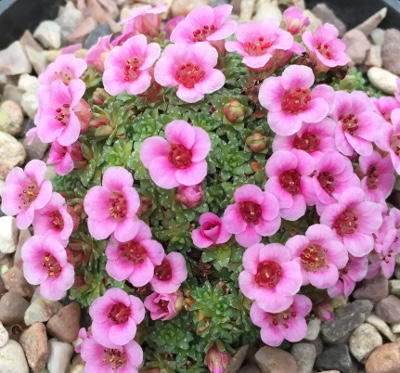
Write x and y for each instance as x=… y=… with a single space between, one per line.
x=65 y=77
x=326 y=181
x=52 y=265
x=313 y=258
x=346 y=223
x=58 y=221
x=395 y=144
x=259 y=48
x=372 y=177
x=251 y=212
x=268 y=274
x=201 y=35
x=349 y=123
x=134 y=252
x=189 y=75
x=307 y=142
x=115 y=357
x=63 y=114
x=28 y=195
x=387 y=116
x=117 y=205
x=290 y=181
x=324 y=50
x=389 y=255
x=344 y=271
x=296 y=101
x=119 y=313
x=281 y=318
x=163 y=304
x=131 y=69
x=164 y=271
x=180 y=156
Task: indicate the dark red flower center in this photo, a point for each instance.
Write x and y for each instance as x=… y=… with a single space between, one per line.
x=372 y=177
x=251 y=212
x=346 y=223
x=349 y=123
x=114 y=357
x=119 y=313
x=387 y=116
x=290 y=181
x=282 y=318
x=259 y=48
x=164 y=271
x=117 y=205
x=324 y=50
x=308 y=142
x=180 y=156
x=63 y=114
x=395 y=144
x=326 y=181
x=313 y=258
x=134 y=252
x=189 y=75
x=163 y=304
x=58 y=221
x=201 y=35
x=296 y=101
x=131 y=69
x=52 y=265
x=268 y=274
x=28 y=195
x=344 y=271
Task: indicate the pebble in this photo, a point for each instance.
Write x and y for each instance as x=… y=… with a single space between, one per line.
x=80 y=368
x=373 y=289
x=372 y=22
x=388 y=309
x=374 y=56
x=357 y=45
x=337 y=357
x=34 y=343
x=41 y=310
x=15 y=281
x=60 y=354
x=305 y=355
x=13 y=359
x=102 y=29
x=275 y=360
x=3 y=335
x=11 y=118
x=314 y=21
x=36 y=150
x=27 y=39
x=24 y=235
x=346 y=320
x=318 y=344
x=391 y=51
x=112 y=9
x=378 y=36
x=82 y=31
x=237 y=360
x=30 y=104
x=49 y=34
x=8 y=235
x=184 y=7
x=395 y=328
x=13 y=60
x=12 y=308
x=246 y=10
x=363 y=341
x=383 y=79
x=249 y=368
x=12 y=93
x=69 y=20
x=326 y=15
x=28 y=83
x=268 y=11
x=379 y=324
x=385 y=359
x=37 y=59
x=65 y=324
x=394 y=287
x=313 y=329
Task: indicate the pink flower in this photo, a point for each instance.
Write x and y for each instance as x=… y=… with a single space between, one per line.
x=289 y=324
x=31 y=135
x=82 y=335
x=395 y=215
x=181 y=159
x=326 y=48
x=397 y=95
x=45 y=264
x=164 y=306
x=26 y=191
x=171 y=24
x=357 y=123
x=190 y=68
x=319 y=255
x=97 y=54
x=290 y=101
x=270 y=277
x=377 y=176
x=315 y=139
x=295 y=20
x=353 y=221
x=385 y=260
x=205 y=24
x=255 y=214
x=71 y=49
x=354 y=271
x=53 y=220
x=113 y=207
x=384 y=106
x=290 y=183
x=136 y=258
x=190 y=196
x=218 y=358
x=65 y=68
x=57 y=119
x=122 y=359
x=61 y=157
x=127 y=67
x=212 y=231
x=170 y=274
x=115 y=316
x=257 y=42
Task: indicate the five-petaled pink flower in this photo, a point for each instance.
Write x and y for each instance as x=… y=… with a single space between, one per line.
x=384 y=106
x=191 y=69
x=290 y=183
x=212 y=231
x=45 y=264
x=127 y=67
x=26 y=191
x=290 y=101
x=189 y=196
x=98 y=53
x=180 y=159
x=169 y=275
x=289 y=324
x=296 y=21
x=135 y=258
x=353 y=220
x=164 y=306
x=61 y=156
x=319 y=255
x=255 y=214
x=270 y=277
x=113 y=207
x=115 y=316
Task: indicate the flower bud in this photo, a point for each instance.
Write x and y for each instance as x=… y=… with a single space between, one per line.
x=103 y=132
x=74 y=216
x=234 y=111
x=84 y=114
x=99 y=96
x=189 y=196
x=145 y=204
x=99 y=120
x=295 y=19
x=86 y=151
x=217 y=360
x=256 y=142
x=322 y=306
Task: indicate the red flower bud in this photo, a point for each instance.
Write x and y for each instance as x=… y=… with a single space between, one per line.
x=99 y=96
x=190 y=196
x=256 y=142
x=234 y=111
x=217 y=358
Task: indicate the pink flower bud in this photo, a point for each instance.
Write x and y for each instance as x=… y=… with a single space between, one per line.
x=190 y=196
x=234 y=111
x=256 y=142
x=164 y=306
x=84 y=114
x=296 y=20
x=217 y=360
x=99 y=96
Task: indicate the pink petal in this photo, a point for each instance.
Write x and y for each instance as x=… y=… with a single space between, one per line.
x=100 y=230
x=142 y=274
x=153 y=147
x=247 y=285
x=297 y=76
x=271 y=93
x=199 y=240
x=124 y=229
x=97 y=203
x=296 y=211
x=268 y=228
x=100 y=309
x=274 y=187
x=291 y=280
x=123 y=333
x=358 y=244
x=233 y=219
x=189 y=95
x=251 y=258
x=165 y=72
x=192 y=175
x=212 y=81
x=180 y=132
x=284 y=124
x=248 y=237
x=201 y=146
x=152 y=53
x=115 y=178
x=272 y=301
x=120 y=269
x=163 y=173
x=226 y=30
x=270 y=207
x=203 y=55
x=316 y=111
x=324 y=278
x=298 y=329
x=140 y=84
x=249 y=193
